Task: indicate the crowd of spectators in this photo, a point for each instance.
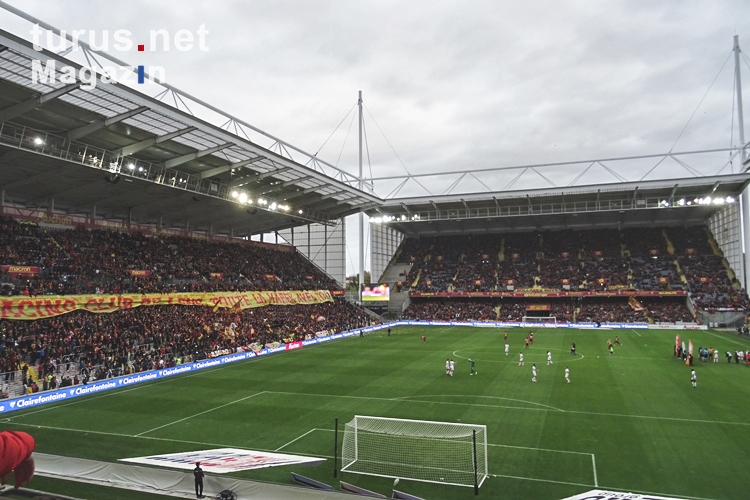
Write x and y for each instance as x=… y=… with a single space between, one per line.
x=590 y=309
x=609 y=310
x=145 y=338
x=77 y=261
x=667 y=310
x=641 y=259
x=451 y=309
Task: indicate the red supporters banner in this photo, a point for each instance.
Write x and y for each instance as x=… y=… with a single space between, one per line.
x=565 y=281
x=21 y=269
x=217 y=276
x=565 y=255
x=509 y=282
x=663 y=280
x=598 y=253
x=485 y=256
x=704 y=280
x=270 y=277
x=338 y=293
x=24 y=308
x=477 y=282
x=601 y=281
x=691 y=251
x=635 y=305
x=138 y=272
x=654 y=251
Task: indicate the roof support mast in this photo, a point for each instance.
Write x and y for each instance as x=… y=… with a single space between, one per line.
x=361 y=214
x=745 y=198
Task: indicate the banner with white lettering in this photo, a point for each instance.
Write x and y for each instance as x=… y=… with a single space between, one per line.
x=224 y=460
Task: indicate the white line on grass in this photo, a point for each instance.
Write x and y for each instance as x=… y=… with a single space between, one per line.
x=486 y=397
x=219 y=445
x=579 y=412
x=593 y=464
x=541 y=480
x=488 y=444
x=118 y=391
x=728 y=340
x=199 y=414
x=636 y=332
x=153 y=438
x=295 y=439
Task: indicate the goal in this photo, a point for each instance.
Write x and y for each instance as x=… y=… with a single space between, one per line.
x=432 y=452
x=539 y=319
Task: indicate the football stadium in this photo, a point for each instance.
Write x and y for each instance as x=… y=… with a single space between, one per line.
x=177 y=319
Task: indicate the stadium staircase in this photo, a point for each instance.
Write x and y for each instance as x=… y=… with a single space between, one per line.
x=394 y=273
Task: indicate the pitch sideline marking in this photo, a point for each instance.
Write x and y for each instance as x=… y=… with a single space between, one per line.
x=115 y=392
x=488 y=444
x=593 y=464
x=632 y=330
x=722 y=338
x=201 y=413
x=487 y=397
x=152 y=438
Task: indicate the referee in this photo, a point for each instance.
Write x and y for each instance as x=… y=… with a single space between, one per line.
x=198 y=474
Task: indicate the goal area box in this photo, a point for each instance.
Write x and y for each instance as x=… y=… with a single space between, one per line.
x=419 y=450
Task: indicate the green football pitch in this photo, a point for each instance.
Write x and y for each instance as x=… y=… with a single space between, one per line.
x=630 y=421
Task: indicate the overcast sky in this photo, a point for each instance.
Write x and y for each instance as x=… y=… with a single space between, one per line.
x=454 y=85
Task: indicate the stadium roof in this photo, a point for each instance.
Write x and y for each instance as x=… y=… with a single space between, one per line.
x=663 y=202
x=134 y=157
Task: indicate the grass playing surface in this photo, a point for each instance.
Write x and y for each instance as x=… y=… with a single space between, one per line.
x=629 y=421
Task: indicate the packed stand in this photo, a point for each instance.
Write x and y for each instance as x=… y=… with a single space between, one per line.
x=93 y=346
x=609 y=310
x=451 y=309
x=707 y=278
x=79 y=261
x=667 y=310
x=606 y=260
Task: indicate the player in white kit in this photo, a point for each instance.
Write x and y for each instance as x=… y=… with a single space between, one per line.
x=507 y=349
x=549 y=358
x=567 y=374
x=520 y=360
x=694 y=378
x=447 y=366
x=452 y=366
x=533 y=373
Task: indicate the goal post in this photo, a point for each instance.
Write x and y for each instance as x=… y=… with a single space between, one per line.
x=420 y=450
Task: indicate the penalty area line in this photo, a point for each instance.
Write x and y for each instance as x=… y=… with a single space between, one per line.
x=199 y=414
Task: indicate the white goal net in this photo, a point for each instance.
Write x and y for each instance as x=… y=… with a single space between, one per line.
x=539 y=319
x=433 y=452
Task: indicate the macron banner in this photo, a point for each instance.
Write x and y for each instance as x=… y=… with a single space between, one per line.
x=224 y=460
x=32 y=308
